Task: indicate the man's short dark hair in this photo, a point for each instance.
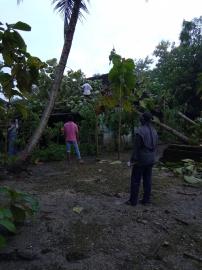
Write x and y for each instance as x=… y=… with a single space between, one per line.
x=147 y=116
x=70 y=117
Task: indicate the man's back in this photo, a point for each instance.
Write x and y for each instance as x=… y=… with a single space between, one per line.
x=148 y=144
x=70 y=131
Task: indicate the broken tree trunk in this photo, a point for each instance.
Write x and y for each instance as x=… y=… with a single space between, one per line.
x=178 y=134
x=187 y=119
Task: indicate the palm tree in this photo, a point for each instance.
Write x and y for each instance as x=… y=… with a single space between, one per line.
x=72 y=11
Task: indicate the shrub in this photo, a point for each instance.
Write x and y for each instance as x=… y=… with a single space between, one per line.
x=87 y=149
x=15 y=208
x=54 y=152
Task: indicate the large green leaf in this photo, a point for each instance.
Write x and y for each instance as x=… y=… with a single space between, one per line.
x=7 y=57
x=6 y=223
x=23 y=80
x=19 y=40
x=21 y=26
x=5 y=213
x=192 y=180
x=32 y=202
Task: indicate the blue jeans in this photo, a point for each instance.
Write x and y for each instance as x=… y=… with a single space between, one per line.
x=76 y=148
x=139 y=172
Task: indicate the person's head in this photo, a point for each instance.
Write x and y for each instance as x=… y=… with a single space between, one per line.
x=146 y=118
x=12 y=122
x=70 y=118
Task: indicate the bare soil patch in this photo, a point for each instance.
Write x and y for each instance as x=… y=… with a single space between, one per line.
x=83 y=223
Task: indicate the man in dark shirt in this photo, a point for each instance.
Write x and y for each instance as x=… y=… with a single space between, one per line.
x=143 y=159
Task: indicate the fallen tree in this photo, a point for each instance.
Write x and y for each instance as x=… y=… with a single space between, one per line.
x=187 y=118
x=178 y=134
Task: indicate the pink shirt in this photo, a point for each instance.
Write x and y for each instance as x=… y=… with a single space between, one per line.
x=70 y=131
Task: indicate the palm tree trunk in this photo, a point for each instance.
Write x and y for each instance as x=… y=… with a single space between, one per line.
x=56 y=83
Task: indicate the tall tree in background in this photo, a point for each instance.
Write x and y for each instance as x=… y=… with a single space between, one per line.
x=71 y=10
x=178 y=73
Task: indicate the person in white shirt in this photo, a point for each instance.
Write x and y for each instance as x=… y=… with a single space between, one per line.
x=86 y=89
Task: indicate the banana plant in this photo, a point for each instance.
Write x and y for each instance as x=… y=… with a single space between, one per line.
x=122 y=82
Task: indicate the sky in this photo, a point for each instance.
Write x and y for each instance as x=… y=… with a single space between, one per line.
x=133 y=27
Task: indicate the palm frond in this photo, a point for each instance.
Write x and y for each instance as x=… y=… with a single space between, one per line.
x=65 y=7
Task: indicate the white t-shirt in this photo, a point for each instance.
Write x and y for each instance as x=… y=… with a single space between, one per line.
x=86 y=89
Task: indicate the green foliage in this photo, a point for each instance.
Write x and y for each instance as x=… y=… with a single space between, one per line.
x=87 y=149
x=87 y=128
x=173 y=85
x=15 y=208
x=19 y=70
x=176 y=80
x=129 y=120
x=121 y=76
x=54 y=152
x=51 y=133
x=22 y=69
x=122 y=82
x=70 y=99
x=190 y=170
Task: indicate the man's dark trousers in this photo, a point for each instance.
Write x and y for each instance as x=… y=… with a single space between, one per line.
x=139 y=172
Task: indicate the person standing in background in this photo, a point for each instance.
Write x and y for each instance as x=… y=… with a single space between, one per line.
x=71 y=134
x=143 y=159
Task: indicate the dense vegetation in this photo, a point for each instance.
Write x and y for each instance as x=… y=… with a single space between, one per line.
x=172 y=86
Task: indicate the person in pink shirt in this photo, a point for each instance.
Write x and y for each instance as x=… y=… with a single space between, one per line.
x=71 y=133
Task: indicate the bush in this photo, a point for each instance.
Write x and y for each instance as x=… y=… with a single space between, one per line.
x=87 y=149
x=54 y=152
x=15 y=208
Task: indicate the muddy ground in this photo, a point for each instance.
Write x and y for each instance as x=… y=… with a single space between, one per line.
x=83 y=223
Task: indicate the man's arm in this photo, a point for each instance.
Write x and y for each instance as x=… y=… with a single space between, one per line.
x=11 y=127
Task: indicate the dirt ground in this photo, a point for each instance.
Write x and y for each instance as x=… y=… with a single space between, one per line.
x=83 y=223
